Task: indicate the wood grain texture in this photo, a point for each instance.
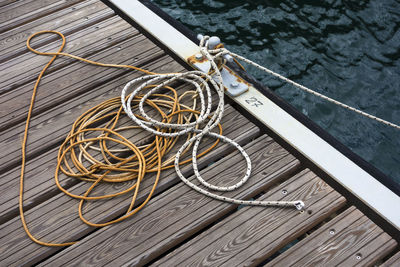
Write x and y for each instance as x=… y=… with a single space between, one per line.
x=393 y=261
x=7 y=2
x=180 y=212
x=49 y=129
x=350 y=239
x=251 y=235
x=85 y=43
x=56 y=219
x=77 y=78
x=14 y=15
x=176 y=214
x=69 y=83
x=40 y=185
x=371 y=253
x=70 y=20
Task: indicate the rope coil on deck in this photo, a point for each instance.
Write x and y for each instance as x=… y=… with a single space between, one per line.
x=147 y=158
x=199 y=80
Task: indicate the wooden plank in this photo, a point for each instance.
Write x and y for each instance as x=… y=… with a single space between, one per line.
x=377 y=249
x=67 y=21
x=88 y=77
x=393 y=261
x=39 y=184
x=77 y=79
x=11 y=4
x=49 y=129
x=85 y=43
x=43 y=187
x=13 y=15
x=350 y=239
x=251 y=235
x=180 y=212
x=43 y=166
x=7 y=2
x=56 y=219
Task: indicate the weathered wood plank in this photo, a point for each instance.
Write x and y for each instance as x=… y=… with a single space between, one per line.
x=13 y=15
x=7 y=2
x=393 y=261
x=67 y=21
x=43 y=187
x=180 y=212
x=75 y=80
x=350 y=239
x=57 y=220
x=251 y=235
x=90 y=41
x=49 y=129
x=377 y=249
x=12 y=4
x=42 y=168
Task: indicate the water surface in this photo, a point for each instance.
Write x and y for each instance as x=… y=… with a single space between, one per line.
x=348 y=50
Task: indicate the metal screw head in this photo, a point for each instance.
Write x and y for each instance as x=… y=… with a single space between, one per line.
x=358 y=256
x=234 y=84
x=284 y=191
x=332 y=231
x=199 y=56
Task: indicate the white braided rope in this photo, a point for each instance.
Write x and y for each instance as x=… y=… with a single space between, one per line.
x=224 y=51
x=201 y=82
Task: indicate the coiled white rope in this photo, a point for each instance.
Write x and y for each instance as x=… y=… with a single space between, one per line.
x=201 y=82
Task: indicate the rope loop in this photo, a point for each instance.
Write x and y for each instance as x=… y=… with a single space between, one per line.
x=28 y=43
x=95 y=150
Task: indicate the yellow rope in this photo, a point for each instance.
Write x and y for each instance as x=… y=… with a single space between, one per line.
x=112 y=167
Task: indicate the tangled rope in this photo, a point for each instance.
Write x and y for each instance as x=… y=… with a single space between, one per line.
x=201 y=81
x=108 y=165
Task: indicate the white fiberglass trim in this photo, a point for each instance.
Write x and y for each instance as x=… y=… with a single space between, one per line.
x=338 y=166
x=343 y=170
x=157 y=27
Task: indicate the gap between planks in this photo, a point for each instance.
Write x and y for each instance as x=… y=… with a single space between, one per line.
x=350 y=239
x=42 y=187
x=50 y=134
x=251 y=235
x=78 y=78
x=87 y=78
x=393 y=261
x=62 y=226
x=16 y=15
x=180 y=212
x=68 y=21
x=85 y=43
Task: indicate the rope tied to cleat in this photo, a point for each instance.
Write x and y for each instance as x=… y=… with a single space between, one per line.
x=220 y=51
x=99 y=126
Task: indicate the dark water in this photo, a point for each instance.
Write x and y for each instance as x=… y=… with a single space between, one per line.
x=348 y=50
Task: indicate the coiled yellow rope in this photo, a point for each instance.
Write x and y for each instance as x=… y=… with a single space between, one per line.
x=74 y=158
x=112 y=167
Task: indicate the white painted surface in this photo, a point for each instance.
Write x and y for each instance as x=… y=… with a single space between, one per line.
x=339 y=167
x=343 y=170
x=155 y=25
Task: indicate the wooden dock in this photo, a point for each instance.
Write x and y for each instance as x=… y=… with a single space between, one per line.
x=178 y=227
